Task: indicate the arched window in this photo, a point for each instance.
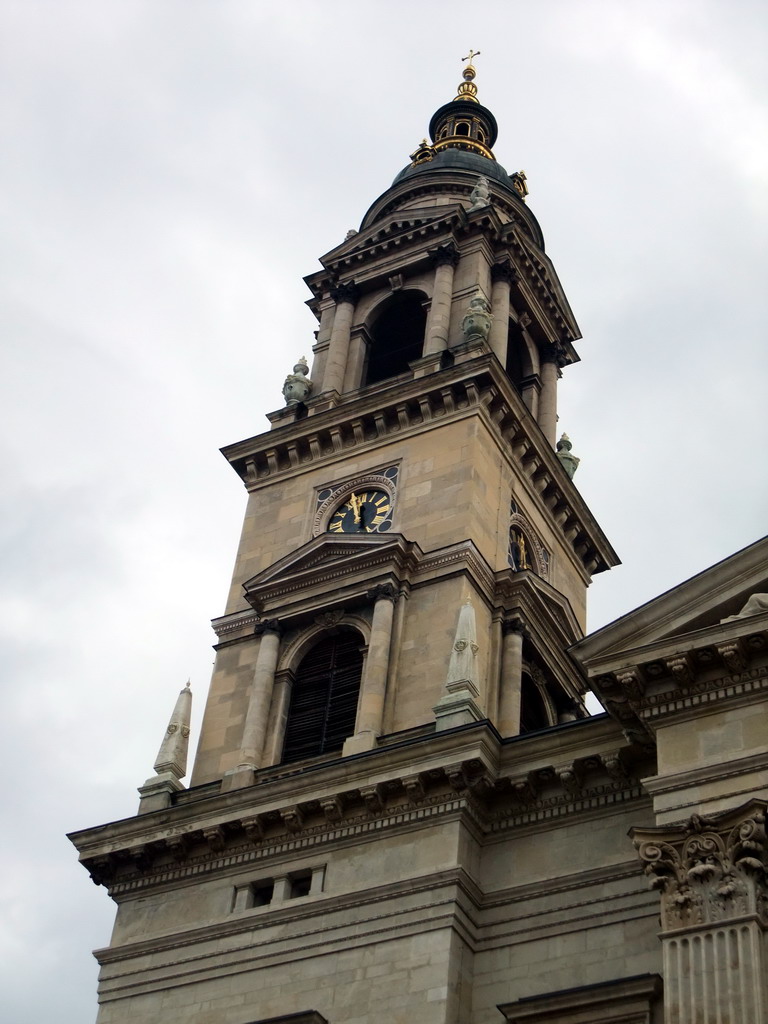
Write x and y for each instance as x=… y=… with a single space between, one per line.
x=397 y=337
x=462 y=128
x=533 y=712
x=324 y=696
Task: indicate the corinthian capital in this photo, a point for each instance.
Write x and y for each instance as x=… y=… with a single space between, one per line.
x=346 y=292
x=711 y=869
x=446 y=255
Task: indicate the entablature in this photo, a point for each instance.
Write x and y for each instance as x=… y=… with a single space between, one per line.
x=467 y=772
x=679 y=676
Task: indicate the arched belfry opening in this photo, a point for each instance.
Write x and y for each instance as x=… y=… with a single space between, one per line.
x=518 y=358
x=396 y=336
x=533 y=710
x=323 y=705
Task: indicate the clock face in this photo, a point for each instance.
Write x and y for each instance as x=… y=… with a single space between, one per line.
x=365 y=511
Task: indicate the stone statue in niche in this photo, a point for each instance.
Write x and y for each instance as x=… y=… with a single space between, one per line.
x=568 y=461
x=518 y=556
x=480 y=195
x=298 y=386
x=477 y=322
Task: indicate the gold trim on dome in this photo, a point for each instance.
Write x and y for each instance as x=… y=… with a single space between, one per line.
x=462 y=142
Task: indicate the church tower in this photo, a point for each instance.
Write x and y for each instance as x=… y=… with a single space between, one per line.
x=413 y=472
x=399 y=808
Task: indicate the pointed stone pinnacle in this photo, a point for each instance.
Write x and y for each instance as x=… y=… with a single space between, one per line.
x=172 y=756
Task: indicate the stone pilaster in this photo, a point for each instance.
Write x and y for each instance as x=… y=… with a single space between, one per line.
x=345 y=297
x=373 y=693
x=255 y=726
x=438 y=322
x=502 y=276
x=711 y=873
x=510 y=684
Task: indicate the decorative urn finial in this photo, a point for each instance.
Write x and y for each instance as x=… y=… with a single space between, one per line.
x=298 y=386
x=477 y=322
x=568 y=461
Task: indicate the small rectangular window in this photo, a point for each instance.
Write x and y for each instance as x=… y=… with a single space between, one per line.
x=262 y=893
x=300 y=884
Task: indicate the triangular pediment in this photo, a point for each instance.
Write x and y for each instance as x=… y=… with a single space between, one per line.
x=692 y=611
x=332 y=561
x=391 y=225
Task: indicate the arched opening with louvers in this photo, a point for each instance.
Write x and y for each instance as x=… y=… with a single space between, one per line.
x=324 y=696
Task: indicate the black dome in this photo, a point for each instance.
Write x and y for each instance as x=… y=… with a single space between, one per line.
x=458 y=160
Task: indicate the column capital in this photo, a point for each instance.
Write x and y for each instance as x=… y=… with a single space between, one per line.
x=552 y=352
x=514 y=624
x=345 y=292
x=709 y=869
x=445 y=255
x=267 y=626
x=503 y=271
x=383 y=591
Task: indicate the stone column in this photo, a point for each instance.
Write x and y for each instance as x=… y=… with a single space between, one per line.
x=511 y=682
x=444 y=260
x=373 y=690
x=502 y=276
x=255 y=726
x=345 y=297
x=548 y=398
x=711 y=873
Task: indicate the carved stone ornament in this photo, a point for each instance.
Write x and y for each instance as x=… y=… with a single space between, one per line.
x=327 y=620
x=446 y=255
x=298 y=386
x=267 y=626
x=462 y=664
x=568 y=460
x=519 y=183
x=756 y=605
x=480 y=194
x=383 y=591
x=346 y=292
x=710 y=870
x=477 y=322
x=503 y=271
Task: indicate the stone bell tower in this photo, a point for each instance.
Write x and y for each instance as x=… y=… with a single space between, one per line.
x=395 y=758
x=414 y=470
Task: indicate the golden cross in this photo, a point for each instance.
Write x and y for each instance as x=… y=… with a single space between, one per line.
x=470 y=55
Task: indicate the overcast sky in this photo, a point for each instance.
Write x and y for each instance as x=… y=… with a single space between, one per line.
x=170 y=171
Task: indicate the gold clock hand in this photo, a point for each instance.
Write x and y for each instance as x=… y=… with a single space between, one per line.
x=354 y=504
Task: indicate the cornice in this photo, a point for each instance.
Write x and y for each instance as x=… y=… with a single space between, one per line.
x=448 y=776
x=647 y=688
